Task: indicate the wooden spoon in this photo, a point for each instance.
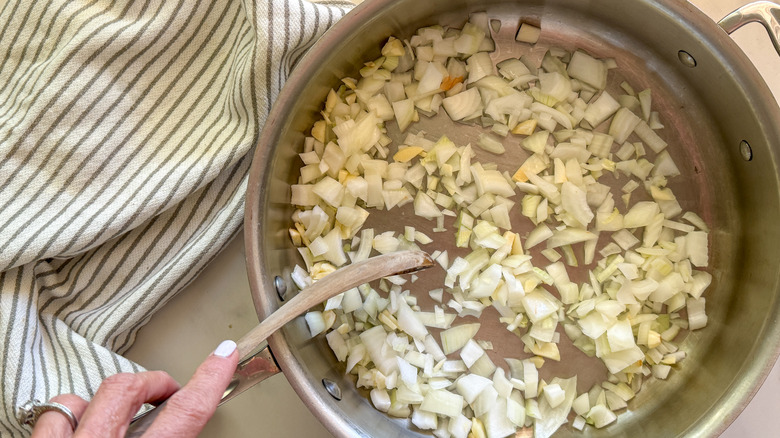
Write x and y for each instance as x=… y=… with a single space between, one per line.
x=338 y=281
x=343 y=279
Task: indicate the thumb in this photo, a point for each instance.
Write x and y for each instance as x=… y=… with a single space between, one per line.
x=188 y=410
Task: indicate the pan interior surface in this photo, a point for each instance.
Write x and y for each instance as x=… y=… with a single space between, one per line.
x=707 y=111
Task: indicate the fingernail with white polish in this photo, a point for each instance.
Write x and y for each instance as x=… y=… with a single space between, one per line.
x=225 y=349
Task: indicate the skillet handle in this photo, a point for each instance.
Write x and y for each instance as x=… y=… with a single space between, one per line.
x=765 y=12
x=249 y=372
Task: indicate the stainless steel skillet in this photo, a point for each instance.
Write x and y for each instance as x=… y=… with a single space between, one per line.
x=709 y=109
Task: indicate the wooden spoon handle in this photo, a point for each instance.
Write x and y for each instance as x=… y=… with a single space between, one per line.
x=339 y=281
x=354 y=275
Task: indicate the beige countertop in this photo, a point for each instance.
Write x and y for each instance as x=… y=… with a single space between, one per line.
x=218 y=306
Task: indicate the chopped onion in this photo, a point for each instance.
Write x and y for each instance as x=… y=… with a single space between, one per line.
x=479 y=65
x=623 y=124
x=528 y=33
x=574 y=201
x=408 y=321
x=495 y=420
x=424 y=419
x=404 y=113
x=462 y=105
x=601 y=109
x=555 y=406
x=641 y=214
x=490 y=144
x=455 y=338
x=442 y=402
x=349 y=165
x=470 y=386
x=649 y=137
x=588 y=69
x=380 y=399
x=696 y=248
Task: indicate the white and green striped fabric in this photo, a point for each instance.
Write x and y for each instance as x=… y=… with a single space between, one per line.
x=126 y=133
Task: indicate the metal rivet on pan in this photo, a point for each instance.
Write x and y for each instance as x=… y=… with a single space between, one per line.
x=332 y=388
x=281 y=287
x=686 y=59
x=745 y=150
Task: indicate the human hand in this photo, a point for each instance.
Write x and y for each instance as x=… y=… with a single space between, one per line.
x=120 y=397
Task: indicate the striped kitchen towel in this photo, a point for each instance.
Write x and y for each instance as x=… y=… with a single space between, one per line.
x=126 y=133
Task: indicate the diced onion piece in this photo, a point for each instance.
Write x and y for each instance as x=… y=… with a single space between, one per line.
x=531 y=378
x=588 y=69
x=405 y=154
x=386 y=243
x=407 y=372
x=620 y=360
x=338 y=345
x=601 y=416
x=404 y=113
x=661 y=371
x=665 y=166
x=601 y=109
x=574 y=201
x=697 y=221
x=380 y=399
x=315 y=322
x=453 y=339
x=560 y=117
x=431 y=80
x=620 y=336
x=469 y=386
x=329 y=190
x=539 y=306
x=539 y=234
x=649 y=137
x=536 y=142
x=641 y=214
x=335 y=252
x=555 y=85
x=374 y=341
x=554 y=395
x=471 y=352
x=569 y=236
x=462 y=105
x=490 y=144
x=696 y=248
x=581 y=404
x=459 y=426
x=496 y=422
x=625 y=239
x=425 y=207
x=409 y=323
x=555 y=406
x=442 y=402
x=424 y=420
x=623 y=124
x=528 y=33
x=645 y=101
x=697 y=318
x=393 y=47
x=470 y=39
x=496 y=85
x=479 y=65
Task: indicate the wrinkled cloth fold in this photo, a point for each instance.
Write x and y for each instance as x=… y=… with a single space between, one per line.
x=126 y=135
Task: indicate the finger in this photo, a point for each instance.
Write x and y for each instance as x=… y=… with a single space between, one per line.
x=53 y=424
x=118 y=399
x=186 y=412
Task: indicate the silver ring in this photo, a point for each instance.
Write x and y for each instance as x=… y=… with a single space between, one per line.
x=32 y=410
